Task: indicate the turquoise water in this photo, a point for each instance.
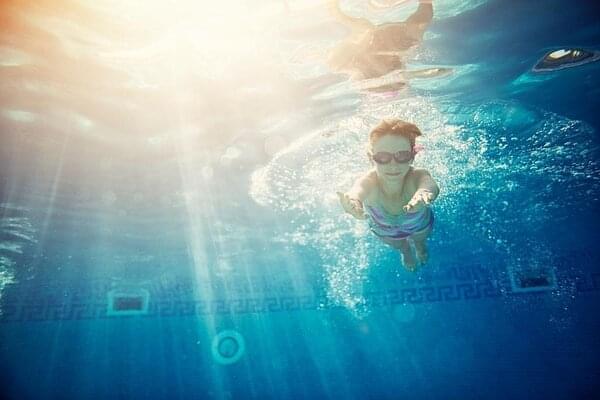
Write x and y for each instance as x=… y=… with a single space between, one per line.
x=169 y=225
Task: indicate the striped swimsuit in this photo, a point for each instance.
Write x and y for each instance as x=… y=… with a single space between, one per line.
x=390 y=226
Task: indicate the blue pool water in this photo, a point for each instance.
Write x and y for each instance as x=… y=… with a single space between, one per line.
x=169 y=227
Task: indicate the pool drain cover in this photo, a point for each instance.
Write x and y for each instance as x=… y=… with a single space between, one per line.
x=533 y=280
x=128 y=301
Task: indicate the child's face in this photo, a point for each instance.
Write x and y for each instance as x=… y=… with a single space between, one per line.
x=393 y=170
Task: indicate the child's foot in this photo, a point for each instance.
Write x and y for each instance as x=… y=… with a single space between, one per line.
x=408 y=260
x=422 y=253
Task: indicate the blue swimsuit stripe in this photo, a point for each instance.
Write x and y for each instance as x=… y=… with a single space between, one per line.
x=401 y=226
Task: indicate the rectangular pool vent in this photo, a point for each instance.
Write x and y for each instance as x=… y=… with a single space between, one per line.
x=533 y=279
x=128 y=301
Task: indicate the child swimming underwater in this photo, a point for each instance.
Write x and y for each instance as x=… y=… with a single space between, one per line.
x=394 y=196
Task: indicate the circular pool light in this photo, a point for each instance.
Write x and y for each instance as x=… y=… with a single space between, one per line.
x=565 y=58
x=228 y=347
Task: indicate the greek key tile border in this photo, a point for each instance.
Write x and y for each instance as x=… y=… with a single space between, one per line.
x=61 y=305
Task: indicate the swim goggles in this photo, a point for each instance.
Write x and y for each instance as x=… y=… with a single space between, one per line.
x=402 y=156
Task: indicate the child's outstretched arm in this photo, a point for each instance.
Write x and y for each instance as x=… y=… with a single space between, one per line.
x=427 y=190
x=352 y=201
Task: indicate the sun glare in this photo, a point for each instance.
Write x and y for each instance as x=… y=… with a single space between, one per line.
x=210 y=27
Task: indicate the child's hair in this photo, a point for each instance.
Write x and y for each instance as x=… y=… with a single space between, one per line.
x=395 y=127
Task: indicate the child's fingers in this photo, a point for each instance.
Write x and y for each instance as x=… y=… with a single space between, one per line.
x=358 y=212
x=428 y=198
x=344 y=200
x=355 y=202
x=418 y=198
x=426 y=194
x=343 y=195
x=354 y=208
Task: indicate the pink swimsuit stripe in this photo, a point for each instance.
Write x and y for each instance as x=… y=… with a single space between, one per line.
x=398 y=226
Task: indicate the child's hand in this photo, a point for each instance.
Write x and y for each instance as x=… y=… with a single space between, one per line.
x=352 y=206
x=423 y=196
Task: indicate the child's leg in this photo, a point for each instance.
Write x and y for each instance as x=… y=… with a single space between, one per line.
x=408 y=259
x=420 y=241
